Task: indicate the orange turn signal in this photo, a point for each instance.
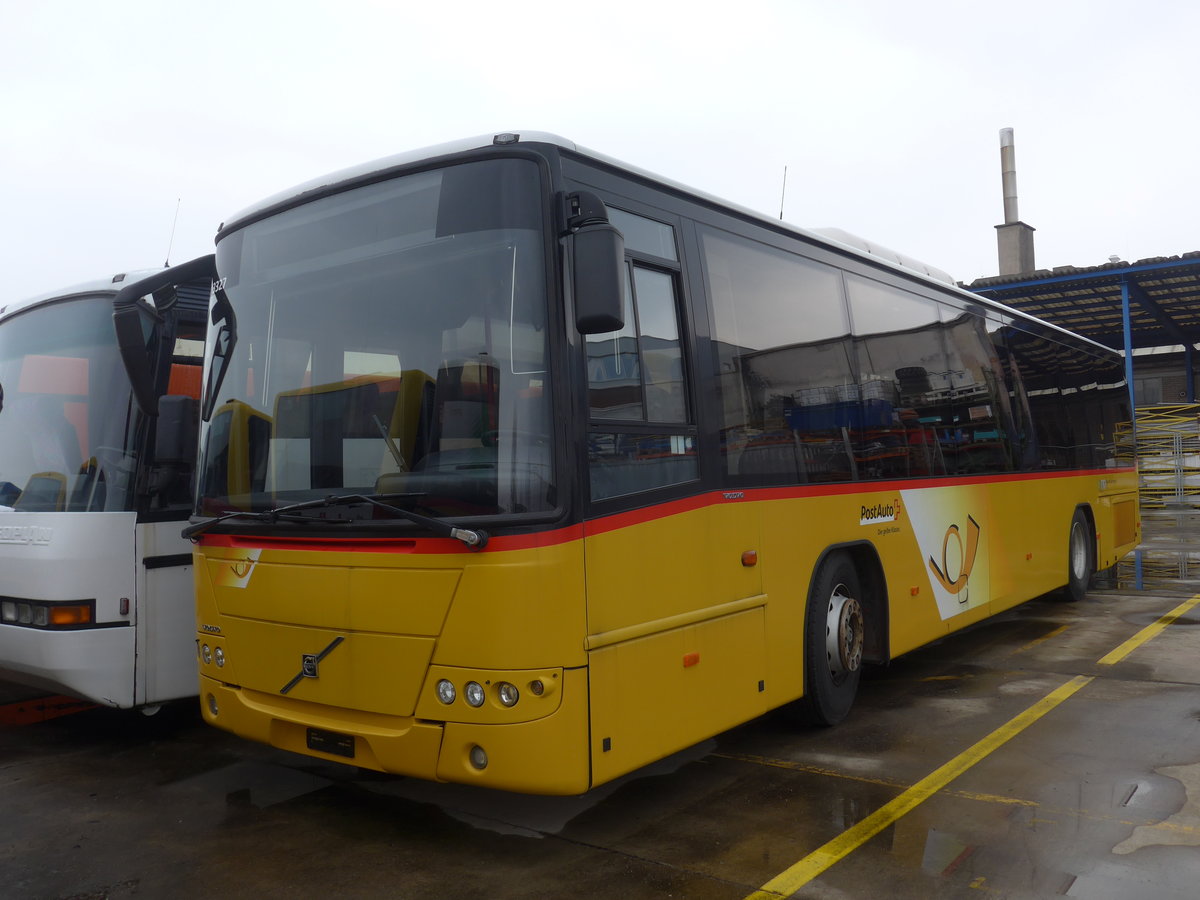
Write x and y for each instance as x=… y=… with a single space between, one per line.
x=70 y=615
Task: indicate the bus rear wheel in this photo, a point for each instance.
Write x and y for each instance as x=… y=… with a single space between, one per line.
x=1081 y=557
x=835 y=628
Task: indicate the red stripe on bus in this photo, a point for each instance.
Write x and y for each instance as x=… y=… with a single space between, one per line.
x=616 y=521
x=40 y=709
x=394 y=545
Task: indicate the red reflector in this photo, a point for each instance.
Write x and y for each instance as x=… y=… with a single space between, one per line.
x=691 y=659
x=70 y=615
x=750 y=558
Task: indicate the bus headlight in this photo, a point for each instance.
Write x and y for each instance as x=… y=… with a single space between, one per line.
x=508 y=694
x=474 y=694
x=219 y=656
x=48 y=614
x=446 y=692
x=206 y=654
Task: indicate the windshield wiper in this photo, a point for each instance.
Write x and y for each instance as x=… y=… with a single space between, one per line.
x=474 y=538
x=270 y=516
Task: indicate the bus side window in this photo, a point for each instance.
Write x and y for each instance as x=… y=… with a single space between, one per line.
x=784 y=361
x=637 y=376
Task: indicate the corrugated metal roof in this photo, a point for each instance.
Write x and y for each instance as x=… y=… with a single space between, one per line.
x=1164 y=299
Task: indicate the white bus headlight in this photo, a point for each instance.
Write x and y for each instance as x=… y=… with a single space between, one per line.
x=446 y=692
x=219 y=656
x=474 y=693
x=206 y=654
x=508 y=693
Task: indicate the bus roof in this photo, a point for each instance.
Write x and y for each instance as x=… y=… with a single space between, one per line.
x=835 y=238
x=366 y=170
x=109 y=285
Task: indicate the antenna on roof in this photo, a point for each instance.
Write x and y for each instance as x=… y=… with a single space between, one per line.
x=783 y=193
x=171 y=242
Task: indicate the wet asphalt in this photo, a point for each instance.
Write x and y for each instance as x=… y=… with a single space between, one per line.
x=1097 y=798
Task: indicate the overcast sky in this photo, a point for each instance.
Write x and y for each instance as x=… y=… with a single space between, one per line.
x=886 y=114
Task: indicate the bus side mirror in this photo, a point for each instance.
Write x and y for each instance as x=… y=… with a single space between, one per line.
x=137 y=325
x=599 y=278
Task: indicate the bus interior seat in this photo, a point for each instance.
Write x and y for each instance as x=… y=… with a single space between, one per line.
x=465 y=412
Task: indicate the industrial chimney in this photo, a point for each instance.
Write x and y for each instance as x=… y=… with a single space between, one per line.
x=1014 y=238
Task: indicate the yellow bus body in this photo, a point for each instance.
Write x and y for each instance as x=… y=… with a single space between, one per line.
x=646 y=631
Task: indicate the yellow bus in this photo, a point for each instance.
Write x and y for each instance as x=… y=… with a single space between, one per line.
x=523 y=468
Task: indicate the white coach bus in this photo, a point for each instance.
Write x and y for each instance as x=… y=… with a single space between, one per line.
x=96 y=475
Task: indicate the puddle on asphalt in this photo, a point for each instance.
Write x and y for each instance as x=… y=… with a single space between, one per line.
x=263 y=785
x=1181 y=829
x=943 y=853
x=260 y=784
x=522 y=814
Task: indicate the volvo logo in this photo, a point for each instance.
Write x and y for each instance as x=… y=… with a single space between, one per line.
x=309 y=663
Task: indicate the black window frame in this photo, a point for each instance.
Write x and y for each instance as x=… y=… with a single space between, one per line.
x=691 y=429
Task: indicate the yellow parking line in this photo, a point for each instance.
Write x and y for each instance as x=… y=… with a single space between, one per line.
x=1147 y=633
x=1045 y=637
x=791 y=880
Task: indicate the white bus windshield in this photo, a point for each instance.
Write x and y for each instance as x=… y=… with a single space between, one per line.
x=66 y=423
x=388 y=340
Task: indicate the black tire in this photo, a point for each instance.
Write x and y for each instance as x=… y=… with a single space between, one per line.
x=1081 y=557
x=834 y=635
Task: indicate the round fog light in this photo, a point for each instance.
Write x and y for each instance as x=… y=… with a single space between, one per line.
x=212 y=705
x=537 y=688
x=219 y=656
x=508 y=693
x=479 y=757
x=206 y=654
x=474 y=694
x=446 y=692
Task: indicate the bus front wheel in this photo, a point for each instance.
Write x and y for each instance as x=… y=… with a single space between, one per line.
x=1081 y=557
x=833 y=640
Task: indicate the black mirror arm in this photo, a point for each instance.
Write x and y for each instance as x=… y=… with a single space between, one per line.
x=128 y=310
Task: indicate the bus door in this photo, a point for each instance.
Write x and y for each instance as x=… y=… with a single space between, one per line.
x=673 y=592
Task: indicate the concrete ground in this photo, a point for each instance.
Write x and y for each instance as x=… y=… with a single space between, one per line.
x=1037 y=755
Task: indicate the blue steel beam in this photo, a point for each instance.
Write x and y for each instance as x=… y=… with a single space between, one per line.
x=1127 y=328
x=1089 y=276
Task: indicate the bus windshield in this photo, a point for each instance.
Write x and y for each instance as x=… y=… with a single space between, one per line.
x=66 y=420
x=388 y=340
